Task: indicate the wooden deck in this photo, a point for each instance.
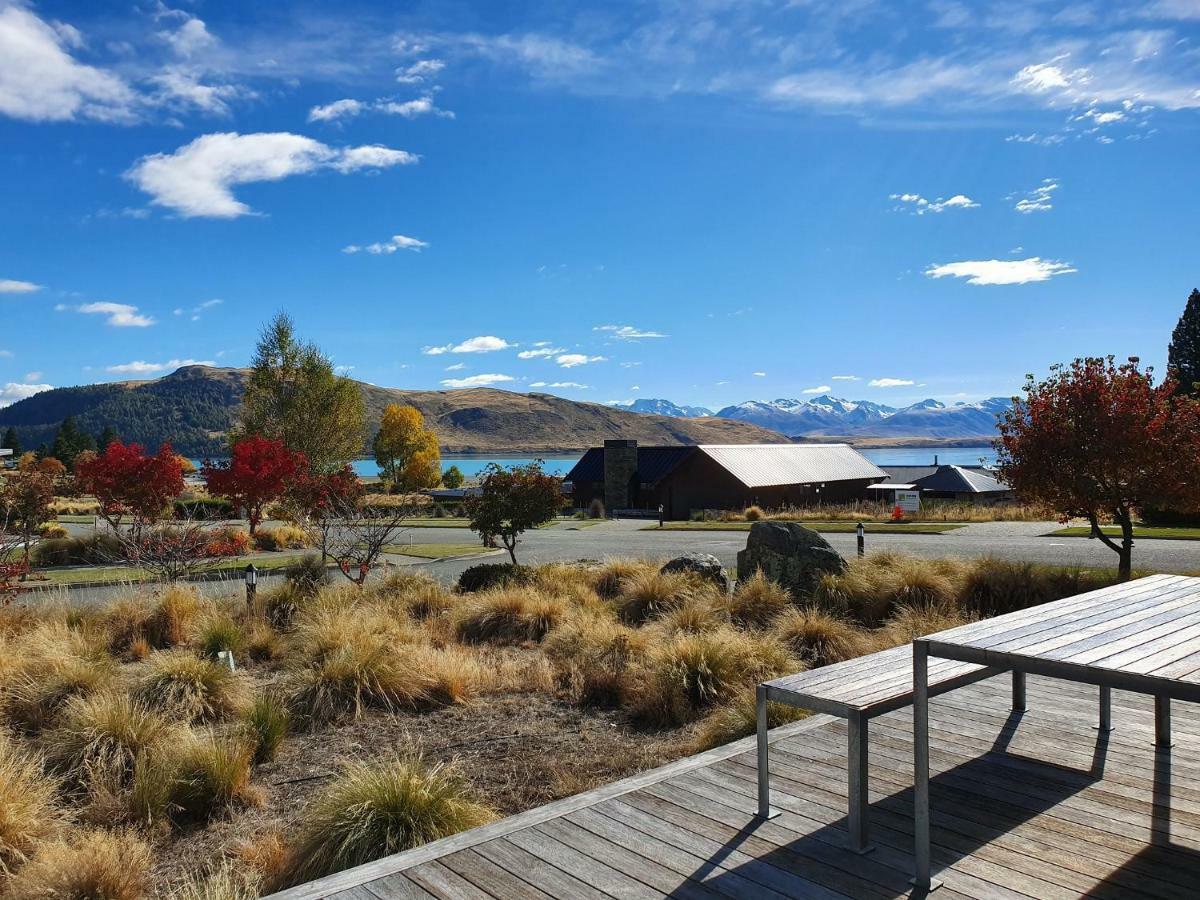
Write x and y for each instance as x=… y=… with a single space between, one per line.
x=1039 y=805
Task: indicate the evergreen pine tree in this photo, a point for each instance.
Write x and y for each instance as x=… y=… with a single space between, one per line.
x=12 y=442
x=107 y=436
x=69 y=442
x=1183 y=356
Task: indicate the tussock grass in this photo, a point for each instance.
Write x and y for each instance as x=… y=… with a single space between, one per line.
x=374 y=810
x=911 y=622
x=648 y=595
x=818 y=638
x=593 y=655
x=343 y=682
x=173 y=617
x=415 y=595
x=57 y=664
x=703 y=613
x=873 y=588
x=211 y=775
x=508 y=616
x=610 y=578
x=225 y=882
x=265 y=725
x=103 y=736
x=29 y=814
x=88 y=865
x=757 y=600
x=739 y=718
x=219 y=633
x=569 y=582
x=186 y=687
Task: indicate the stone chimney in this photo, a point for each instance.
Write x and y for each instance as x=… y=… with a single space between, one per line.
x=620 y=473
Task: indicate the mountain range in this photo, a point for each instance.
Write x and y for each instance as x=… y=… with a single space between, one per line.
x=194 y=408
x=663 y=408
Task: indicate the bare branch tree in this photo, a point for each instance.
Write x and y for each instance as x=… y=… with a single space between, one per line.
x=169 y=551
x=356 y=538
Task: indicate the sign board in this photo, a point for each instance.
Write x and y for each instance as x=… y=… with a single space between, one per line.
x=909 y=501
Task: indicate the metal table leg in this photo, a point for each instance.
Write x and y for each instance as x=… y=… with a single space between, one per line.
x=764 y=774
x=922 y=851
x=856 y=773
x=1018 y=691
x=1105 y=709
x=1162 y=721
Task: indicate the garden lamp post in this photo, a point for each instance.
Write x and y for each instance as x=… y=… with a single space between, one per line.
x=251 y=575
x=860 y=532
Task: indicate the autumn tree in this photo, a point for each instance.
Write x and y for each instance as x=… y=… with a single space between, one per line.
x=453 y=477
x=513 y=500
x=406 y=451
x=128 y=483
x=257 y=474
x=1183 y=355
x=26 y=501
x=294 y=395
x=1099 y=441
x=319 y=500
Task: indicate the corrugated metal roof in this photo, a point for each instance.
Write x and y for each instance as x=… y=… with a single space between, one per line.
x=960 y=480
x=766 y=465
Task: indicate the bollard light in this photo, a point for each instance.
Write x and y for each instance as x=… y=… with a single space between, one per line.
x=251 y=575
x=861 y=533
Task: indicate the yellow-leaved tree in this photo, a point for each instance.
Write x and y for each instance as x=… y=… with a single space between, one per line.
x=406 y=451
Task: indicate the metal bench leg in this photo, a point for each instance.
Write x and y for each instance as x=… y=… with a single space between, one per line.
x=1162 y=721
x=1105 y=709
x=923 y=878
x=1018 y=691
x=856 y=773
x=764 y=774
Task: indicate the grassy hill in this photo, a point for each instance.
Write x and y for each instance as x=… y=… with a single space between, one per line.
x=194 y=408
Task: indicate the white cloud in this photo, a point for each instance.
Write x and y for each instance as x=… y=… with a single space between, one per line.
x=819 y=389
x=6 y=354
x=541 y=351
x=457 y=367
x=141 y=367
x=198 y=178
x=338 y=109
x=9 y=286
x=628 y=332
x=120 y=315
x=41 y=82
x=759 y=374
x=890 y=382
x=1039 y=199
x=12 y=392
x=846 y=378
x=560 y=384
x=1046 y=76
x=419 y=71
x=999 y=271
x=391 y=245
x=485 y=343
x=32 y=376
x=571 y=360
x=412 y=109
x=919 y=205
x=476 y=381
x=408 y=109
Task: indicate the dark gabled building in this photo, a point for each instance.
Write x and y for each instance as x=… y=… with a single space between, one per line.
x=944 y=482
x=719 y=476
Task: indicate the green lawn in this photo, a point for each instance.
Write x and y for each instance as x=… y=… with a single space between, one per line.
x=75 y=520
x=114 y=574
x=1161 y=534
x=823 y=527
x=436 y=551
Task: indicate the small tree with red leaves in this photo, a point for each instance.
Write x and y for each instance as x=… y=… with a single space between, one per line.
x=259 y=473
x=513 y=500
x=1098 y=441
x=26 y=503
x=129 y=484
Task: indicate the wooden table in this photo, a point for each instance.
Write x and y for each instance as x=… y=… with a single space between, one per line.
x=1141 y=636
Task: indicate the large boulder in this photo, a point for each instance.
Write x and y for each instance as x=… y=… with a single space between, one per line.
x=703 y=564
x=790 y=554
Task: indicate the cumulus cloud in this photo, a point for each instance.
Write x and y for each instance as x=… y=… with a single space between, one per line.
x=485 y=343
x=572 y=360
x=541 y=350
x=419 y=71
x=560 y=384
x=1002 y=271
x=40 y=81
x=628 y=332
x=476 y=381
x=10 y=286
x=1042 y=77
x=1039 y=199
x=13 y=391
x=391 y=245
x=141 y=367
x=119 y=315
x=338 y=109
x=198 y=178
x=819 y=389
x=919 y=205
x=890 y=382
x=408 y=109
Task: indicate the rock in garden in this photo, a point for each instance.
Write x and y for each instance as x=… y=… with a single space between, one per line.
x=703 y=564
x=790 y=554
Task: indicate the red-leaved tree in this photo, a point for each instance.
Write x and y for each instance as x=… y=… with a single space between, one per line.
x=513 y=500
x=259 y=473
x=1097 y=440
x=323 y=499
x=128 y=483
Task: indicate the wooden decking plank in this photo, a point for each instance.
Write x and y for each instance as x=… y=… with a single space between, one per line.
x=582 y=866
x=1149 y=637
x=355 y=893
x=441 y=881
x=489 y=876
x=536 y=871
x=397 y=887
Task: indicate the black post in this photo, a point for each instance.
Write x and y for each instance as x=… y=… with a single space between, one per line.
x=251 y=587
x=660 y=515
x=861 y=533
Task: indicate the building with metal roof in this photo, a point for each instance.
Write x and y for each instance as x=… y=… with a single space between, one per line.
x=719 y=476
x=944 y=482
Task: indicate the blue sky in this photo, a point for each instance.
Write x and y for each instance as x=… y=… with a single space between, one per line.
x=709 y=201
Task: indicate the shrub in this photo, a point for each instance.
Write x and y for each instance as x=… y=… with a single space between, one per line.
x=819 y=638
x=650 y=594
x=91 y=865
x=203 y=508
x=595 y=509
x=693 y=672
x=752 y=513
x=266 y=724
x=757 y=600
x=170 y=623
x=102 y=736
x=374 y=810
x=227 y=541
x=308 y=574
x=218 y=634
x=191 y=689
x=485 y=576
x=508 y=616
x=53 y=531
x=211 y=775
x=739 y=719
x=28 y=813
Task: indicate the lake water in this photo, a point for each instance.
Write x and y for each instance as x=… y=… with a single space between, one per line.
x=473 y=465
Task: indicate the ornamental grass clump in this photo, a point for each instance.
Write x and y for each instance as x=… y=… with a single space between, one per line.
x=29 y=812
x=219 y=634
x=610 y=579
x=95 y=864
x=874 y=587
x=593 y=656
x=650 y=594
x=210 y=775
x=265 y=725
x=373 y=810
x=739 y=718
x=56 y=664
x=819 y=638
x=103 y=736
x=757 y=600
x=343 y=682
x=171 y=621
x=513 y=615
x=185 y=687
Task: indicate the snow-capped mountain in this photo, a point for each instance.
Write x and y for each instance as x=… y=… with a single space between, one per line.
x=664 y=408
x=835 y=416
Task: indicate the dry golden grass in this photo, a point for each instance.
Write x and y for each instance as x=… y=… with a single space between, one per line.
x=29 y=811
x=88 y=865
x=757 y=600
x=610 y=578
x=211 y=775
x=56 y=664
x=873 y=588
x=593 y=654
x=173 y=617
x=704 y=613
x=818 y=638
x=739 y=718
x=183 y=686
x=103 y=735
x=512 y=615
x=415 y=595
x=648 y=595
x=911 y=622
